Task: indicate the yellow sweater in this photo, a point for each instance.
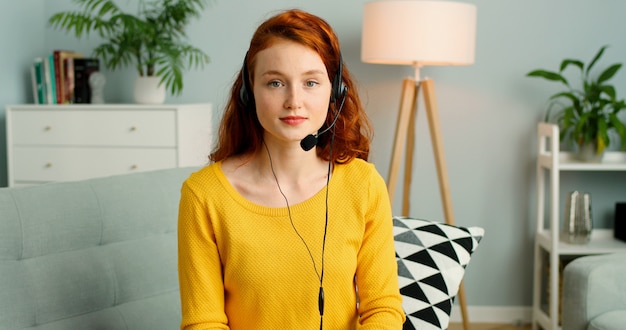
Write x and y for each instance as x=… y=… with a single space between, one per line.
x=242 y=266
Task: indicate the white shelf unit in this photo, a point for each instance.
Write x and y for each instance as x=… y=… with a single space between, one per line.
x=47 y=143
x=550 y=163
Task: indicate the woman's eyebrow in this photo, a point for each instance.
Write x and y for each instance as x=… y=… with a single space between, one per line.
x=278 y=73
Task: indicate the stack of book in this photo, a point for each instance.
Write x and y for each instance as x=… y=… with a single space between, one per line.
x=62 y=77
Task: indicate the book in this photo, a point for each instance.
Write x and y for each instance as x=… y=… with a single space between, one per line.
x=48 y=72
x=39 y=81
x=33 y=77
x=83 y=68
x=68 y=80
x=53 y=84
x=59 y=71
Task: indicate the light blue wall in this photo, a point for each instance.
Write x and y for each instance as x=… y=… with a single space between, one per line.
x=488 y=111
x=21 y=40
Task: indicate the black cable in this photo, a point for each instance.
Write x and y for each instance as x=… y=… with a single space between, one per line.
x=321 y=293
x=320 y=275
x=289 y=213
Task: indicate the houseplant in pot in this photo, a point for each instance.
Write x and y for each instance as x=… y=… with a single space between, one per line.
x=152 y=40
x=586 y=112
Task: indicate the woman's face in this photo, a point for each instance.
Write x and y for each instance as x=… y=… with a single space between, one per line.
x=291 y=91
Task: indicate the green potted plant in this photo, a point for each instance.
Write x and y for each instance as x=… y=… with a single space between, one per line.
x=587 y=113
x=153 y=40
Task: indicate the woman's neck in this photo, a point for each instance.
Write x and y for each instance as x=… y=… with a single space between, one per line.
x=270 y=175
x=291 y=164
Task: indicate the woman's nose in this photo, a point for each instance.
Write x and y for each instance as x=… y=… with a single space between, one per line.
x=293 y=98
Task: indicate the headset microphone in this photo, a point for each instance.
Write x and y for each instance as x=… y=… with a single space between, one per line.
x=310 y=140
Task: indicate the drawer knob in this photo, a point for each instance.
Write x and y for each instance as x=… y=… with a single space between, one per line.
x=133 y=128
x=47 y=128
x=134 y=167
x=48 y=165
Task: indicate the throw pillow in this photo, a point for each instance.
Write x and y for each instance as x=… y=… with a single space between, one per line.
x=432 y=257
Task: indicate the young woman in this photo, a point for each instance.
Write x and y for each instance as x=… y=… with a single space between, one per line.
x=273 y=235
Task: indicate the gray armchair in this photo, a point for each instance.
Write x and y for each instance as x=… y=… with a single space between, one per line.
x=594 y=293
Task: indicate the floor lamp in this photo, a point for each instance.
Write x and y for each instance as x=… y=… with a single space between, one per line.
x=419 y=33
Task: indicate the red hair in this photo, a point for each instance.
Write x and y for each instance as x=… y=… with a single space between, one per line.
x=241 y=133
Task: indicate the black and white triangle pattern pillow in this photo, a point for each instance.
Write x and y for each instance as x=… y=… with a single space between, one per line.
x=432 y=257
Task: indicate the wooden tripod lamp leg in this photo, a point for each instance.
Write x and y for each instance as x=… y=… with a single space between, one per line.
x=436 y=140
x=407 y=106
x=428 y=89
x=408 y=158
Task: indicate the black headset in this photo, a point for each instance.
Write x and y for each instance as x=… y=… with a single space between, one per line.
x=339 y=89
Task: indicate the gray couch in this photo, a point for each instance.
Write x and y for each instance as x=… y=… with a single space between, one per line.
x=594 y=293
x=94 y=254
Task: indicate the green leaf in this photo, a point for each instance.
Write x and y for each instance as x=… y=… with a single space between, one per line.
x=549 y=75
x=608 y=90
x=568 y=62
x=569 y=116
x=609 y=73
x=602 y=136
x=595 y=59
x=570 y=96
x=620 y=129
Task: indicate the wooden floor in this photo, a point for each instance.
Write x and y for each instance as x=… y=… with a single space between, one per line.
x=489 y=326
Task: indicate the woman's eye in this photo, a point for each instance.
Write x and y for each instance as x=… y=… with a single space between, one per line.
x=274 y=84
x=311 y=83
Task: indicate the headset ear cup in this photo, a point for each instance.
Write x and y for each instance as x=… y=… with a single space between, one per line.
x=339 y=87
x=245 y=90
x=243 y=95
x=342 y=91
x=339 y=90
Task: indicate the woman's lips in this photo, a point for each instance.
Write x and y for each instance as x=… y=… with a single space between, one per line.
x=293 y=120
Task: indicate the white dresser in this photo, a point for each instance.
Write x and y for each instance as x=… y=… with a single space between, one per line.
x=48 y=143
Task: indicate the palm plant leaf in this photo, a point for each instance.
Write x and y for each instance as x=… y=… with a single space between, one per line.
x=588 y=113
x=609 y=91
x=619 y=128
x=594 y=60
x=152 y=40
x=568 y=62
x=549 y=75
x=609 y=73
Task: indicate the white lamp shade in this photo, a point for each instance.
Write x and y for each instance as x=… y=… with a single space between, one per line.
x=418 y=32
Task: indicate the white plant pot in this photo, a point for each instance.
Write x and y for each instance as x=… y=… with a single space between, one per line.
x=148 y=91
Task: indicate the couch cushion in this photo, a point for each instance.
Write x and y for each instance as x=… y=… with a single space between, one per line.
x=51 y=218
x=593 y=286
x=614 y=320
x=432 y=257
x=92 y=254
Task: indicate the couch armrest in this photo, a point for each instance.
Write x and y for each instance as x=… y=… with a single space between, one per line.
x=593 y=285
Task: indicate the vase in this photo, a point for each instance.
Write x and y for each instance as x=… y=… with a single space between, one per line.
x=149 y=91
x=588 y=152
x=577 y=223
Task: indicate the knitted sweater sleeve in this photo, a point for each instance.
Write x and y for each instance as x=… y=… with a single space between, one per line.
x=199 y=267
x=377 y=276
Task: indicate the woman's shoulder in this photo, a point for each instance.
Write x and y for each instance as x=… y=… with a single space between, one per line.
x=204 y=176
x=359 y=166
x=359 y=169
x=360 y=178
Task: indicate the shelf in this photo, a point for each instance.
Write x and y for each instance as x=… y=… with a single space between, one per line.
x=547 y=273
x=602 y=241
x=612 y=161
x=543 y=319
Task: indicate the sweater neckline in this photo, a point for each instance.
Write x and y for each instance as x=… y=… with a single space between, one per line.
x=304 y=206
